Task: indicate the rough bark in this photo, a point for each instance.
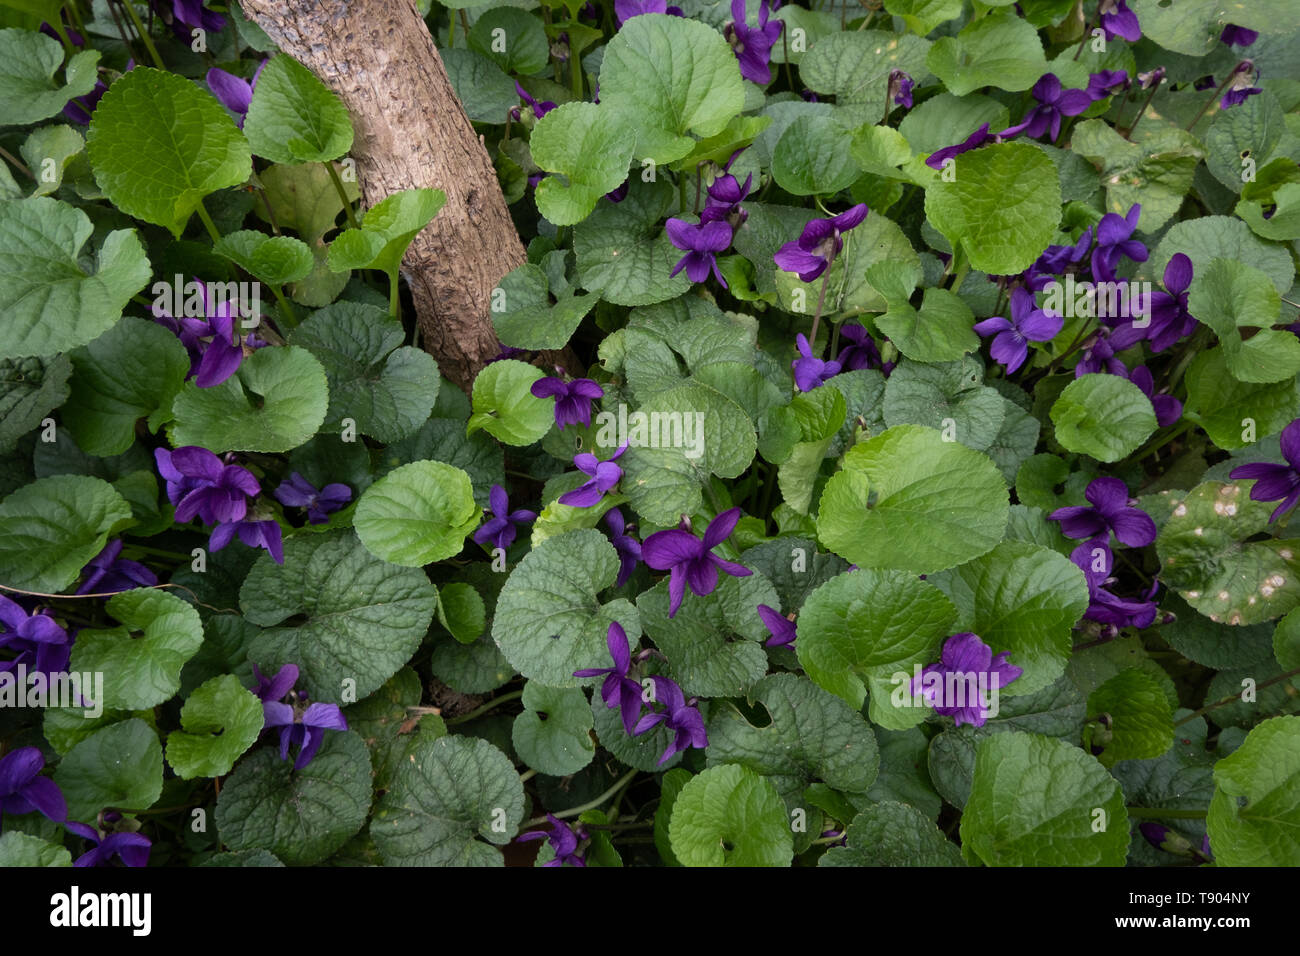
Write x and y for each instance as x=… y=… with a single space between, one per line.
x=411 y=131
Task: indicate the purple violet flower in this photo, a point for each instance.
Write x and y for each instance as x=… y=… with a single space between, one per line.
x=625 y=10
x=275 y=688
x=1276 y=482
x=1053 y=104
x=678 y=715
x=619 y=692
x=1110 y=510
x=702 y=242
x=263 y=533
x=753 y=45
x=974 y=141
x=215 y=351
x=131 y=848
x=1099 y=357
x=628 y=548
x=39 y=644
x=201 y=484
x=1106 y=82
x=539 y=109
x=1119 y=21
x=300 y=723
x=500 y=528
x=108 y=571
x=1168 y=409
x=1114 y=239
x=1238 y=36
x=809 y=370
x=1055 y=260
x=298 y=492
x=725 y=196
x=1241 y=85
x=604 y=476
x=951 y=686
x=572 y=399
x=1028 y=323
x=691 y=560
x=1095 y=560
x=1167 y=311
x=186 y=15
x=234 y=92
x=782 y=627
x=24 y=790
x=563 y=840
x=861 y=352
x=900 y=88
x=820 y=242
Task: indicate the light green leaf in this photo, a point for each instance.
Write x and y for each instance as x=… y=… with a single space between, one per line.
x=28 y=90
x=21 y=849
x=274 y=260
x=274 y=403
x=505 y=407
x=1285 y=221
x=870 y=623
x=141 y=659
x=448 y=791
x=922 y=16
x=947 y=397
x=1254 y=817
x=1222 y=237
x=158 y=144
x=623 y=250
x=907 y=499
x=1024 y=599
x=1035 y=801
x=1219 y=402
x=132 y=371
x=48 y=151
x=854 y=67
x=461 y=611
x=364 y=618
x=53 y=303
x=1104 y=416
x=999 y=237
x=51 y=528
x=1228 y=295
x=294 y=118
x=810 y=158
x=487 y=94
x=300 y=816
x=553 y=734
x=590 y=146
x=1142 y=722
x=527 y=318
x=526 y=48
x=417 y=514
x=1000 y=50
x=669 y=76
x=219 y=721
x=730 y=816
x=386 y=230
x=119 y=767
x=1155 y=171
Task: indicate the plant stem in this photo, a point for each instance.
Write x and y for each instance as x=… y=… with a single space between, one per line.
x=527 y=775
x=338 y=188
x=1206 y=105
x=480 y=711
x=129 y=6
x=608 y=795
x=1084 y=39
x=208 y=224
x=287 y=313
x=1156 y=813
x=17 y=163
x=1143 y=111
x=394 y=296
x=821 y=302
x=1235 y=697
x=1164 y=440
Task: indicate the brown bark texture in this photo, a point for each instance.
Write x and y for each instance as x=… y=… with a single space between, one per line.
x=411 y=131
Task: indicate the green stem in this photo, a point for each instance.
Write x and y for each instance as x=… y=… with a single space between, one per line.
x=144 y=34
x=527 y=775
x=343 y=196
x=208 y=224
x=480 y=711
x=575 y=75
x=159 y=553
x=821 y=302
x=1158 y=813
x=1206 y=105
x=959 y=276
x=394 y=296
x=287 y=313
x=16 y=163
x=604 y=798
x=1232 y=698
x=1128 y=134
x=1164 y=440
